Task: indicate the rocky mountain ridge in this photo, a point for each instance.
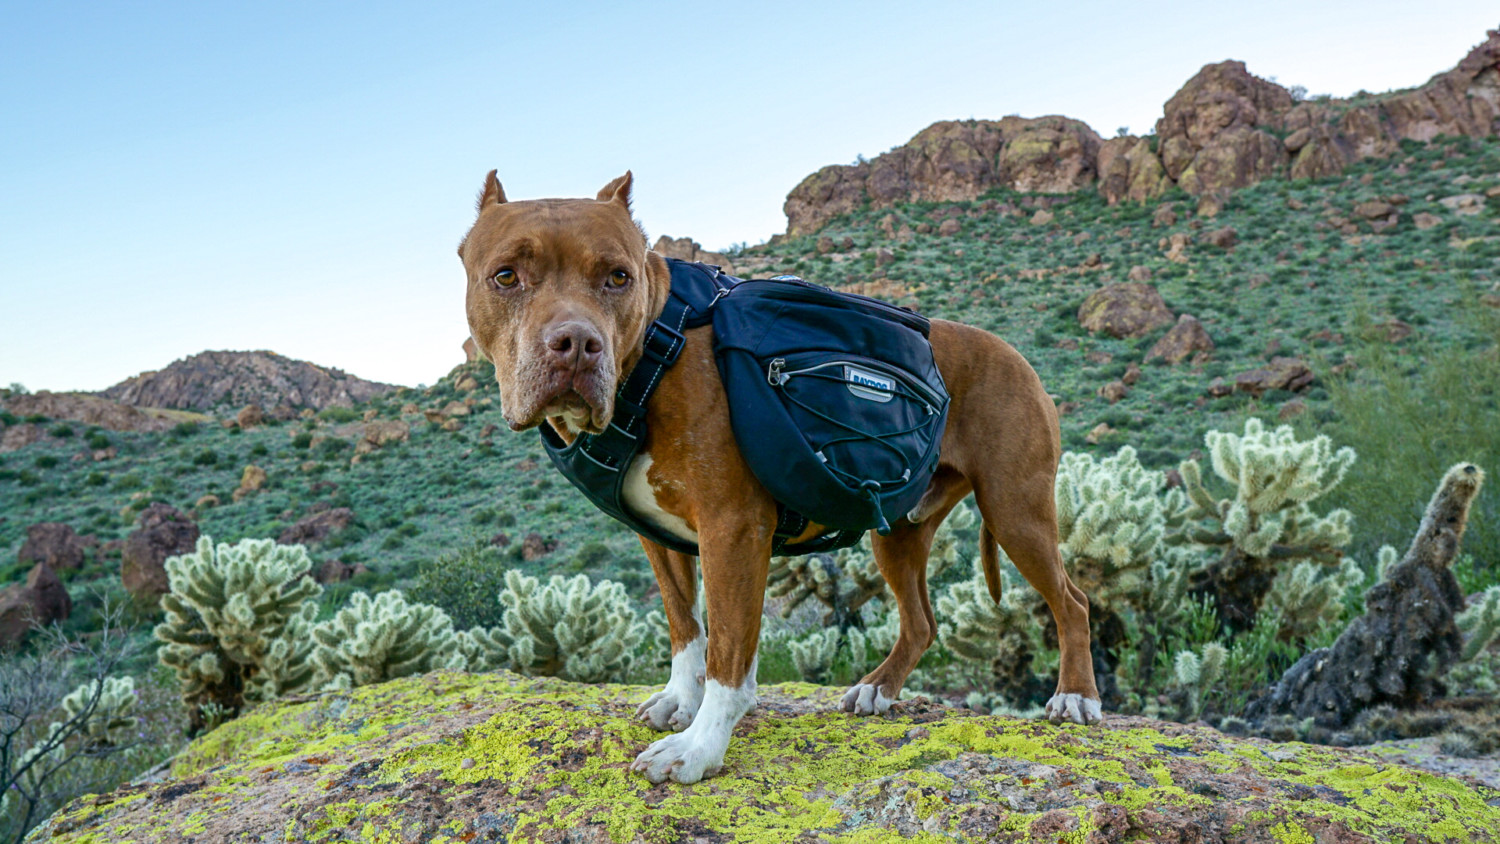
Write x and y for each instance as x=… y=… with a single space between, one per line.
x=1225 y=129
x=234 y=379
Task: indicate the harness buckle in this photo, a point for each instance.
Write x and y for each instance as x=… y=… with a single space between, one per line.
x=663 y=343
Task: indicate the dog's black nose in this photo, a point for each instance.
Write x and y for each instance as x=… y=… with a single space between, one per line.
x=574 y=345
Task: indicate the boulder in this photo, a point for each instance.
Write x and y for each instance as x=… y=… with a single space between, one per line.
x=1282 y=373
x=162 y=531
x=55 y=544
x=1042 y=217
x=251 y=481
x=1374 y=209
x=1424 y=221
x=41 y=600
x=283 y=413
x=948 y=228
x=467 y=384
x=534 y=547
x=1165 y=216
x=1186 y=338
x=687 y=249
x=1224 y=238
x=1139 y=273
x=1464 y=204
x=317 y=527
x=471 y=350
x=1131 y=309
x=250 y=416
x=496 y=756
x=382 y=432
x=333 y=571
x=1114 y=391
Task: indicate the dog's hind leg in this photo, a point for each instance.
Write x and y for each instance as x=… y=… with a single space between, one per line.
x=673 y=707
x=1029 y=537
x=902 y=558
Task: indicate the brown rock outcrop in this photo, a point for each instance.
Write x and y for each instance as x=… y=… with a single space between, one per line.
x=55 y=544
x=953 y=160
x=1131 y=309
x=163 y=531
x=1219 y=132
x=90 y=410
x=687 y=249
x=251 y=481
x=382 y=432
x=41 y=600
x=1282 y=373
x=250 y=416
x=210 y=379
x=1186 y=338
x=14 y=437
x=471 y=350
x=317 y=527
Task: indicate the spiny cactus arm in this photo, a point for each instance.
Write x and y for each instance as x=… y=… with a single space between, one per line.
x=1480 y=624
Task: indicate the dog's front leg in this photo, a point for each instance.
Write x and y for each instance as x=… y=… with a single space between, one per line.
x=735 y=561
x=674 y=707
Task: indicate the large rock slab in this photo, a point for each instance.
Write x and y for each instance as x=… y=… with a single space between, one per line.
x=454 y=757
x=1131 y=309
x=40 y=601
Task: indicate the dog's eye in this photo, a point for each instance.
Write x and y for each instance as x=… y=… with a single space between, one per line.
x=506 y=277
x=619 y=278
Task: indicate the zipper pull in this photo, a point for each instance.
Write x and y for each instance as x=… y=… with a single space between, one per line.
x=774 y=375
x=718 y=294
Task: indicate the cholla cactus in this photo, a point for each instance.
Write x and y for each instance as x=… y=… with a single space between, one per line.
x=847 y=581
x=372 y=640
x=999 y=645
x=1308 y=597
x=110 y=719
x=814 y=655
x=236 y=623
x=1267 y=522
x=1480 y=624
x=1110 y=522
x=566 y=628
x=1194 y=674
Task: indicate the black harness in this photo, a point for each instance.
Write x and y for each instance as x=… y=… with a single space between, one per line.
x=597 y=463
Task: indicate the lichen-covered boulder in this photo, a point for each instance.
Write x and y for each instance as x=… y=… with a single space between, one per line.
x=451 y=757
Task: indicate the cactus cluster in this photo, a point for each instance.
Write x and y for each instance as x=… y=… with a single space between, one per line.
x=376 y=639
x=565 y=628
x=238 y=623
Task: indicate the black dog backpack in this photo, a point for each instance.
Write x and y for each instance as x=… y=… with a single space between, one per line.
x=835 y=400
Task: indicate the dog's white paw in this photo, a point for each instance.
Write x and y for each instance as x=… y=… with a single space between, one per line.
x=670 y=709
x=865 y=699
x=686 y=757
x=674 y=707
x=1075 y=708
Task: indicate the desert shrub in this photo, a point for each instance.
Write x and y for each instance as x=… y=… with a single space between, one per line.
x=45 y=461
x=1412 y=417
x=302 y=441
x=206 y=457
x=465 y=584
x=338 y=414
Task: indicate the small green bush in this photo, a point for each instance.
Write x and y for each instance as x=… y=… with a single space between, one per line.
x=465 y=584
x=61 y=431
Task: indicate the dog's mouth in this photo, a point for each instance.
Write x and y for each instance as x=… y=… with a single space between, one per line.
x=583 y=401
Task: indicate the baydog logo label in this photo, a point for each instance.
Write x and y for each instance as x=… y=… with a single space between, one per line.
x=869 y=385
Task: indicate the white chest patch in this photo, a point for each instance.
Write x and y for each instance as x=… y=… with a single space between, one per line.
x=640 y=497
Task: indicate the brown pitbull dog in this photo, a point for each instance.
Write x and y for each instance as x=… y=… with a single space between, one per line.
x=561 y=292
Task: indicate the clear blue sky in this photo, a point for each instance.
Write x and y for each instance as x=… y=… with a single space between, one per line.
x=177 y=177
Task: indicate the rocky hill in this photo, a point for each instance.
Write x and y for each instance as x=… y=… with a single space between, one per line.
x=498 y=757
x=235 y=379
x=1225 y=129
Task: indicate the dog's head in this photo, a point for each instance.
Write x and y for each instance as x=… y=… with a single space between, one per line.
x=561 y=292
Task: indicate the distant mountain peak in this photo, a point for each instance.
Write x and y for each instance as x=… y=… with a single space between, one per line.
x=234 y=379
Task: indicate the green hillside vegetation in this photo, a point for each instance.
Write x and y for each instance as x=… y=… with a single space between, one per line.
x=1400 y=327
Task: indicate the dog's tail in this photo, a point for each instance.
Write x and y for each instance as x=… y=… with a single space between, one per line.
x=989 y=560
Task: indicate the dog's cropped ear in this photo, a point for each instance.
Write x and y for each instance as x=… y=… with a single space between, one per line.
x=617 y=191
x=491 y=193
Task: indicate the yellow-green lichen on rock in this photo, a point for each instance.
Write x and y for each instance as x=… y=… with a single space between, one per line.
x=455 y=757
